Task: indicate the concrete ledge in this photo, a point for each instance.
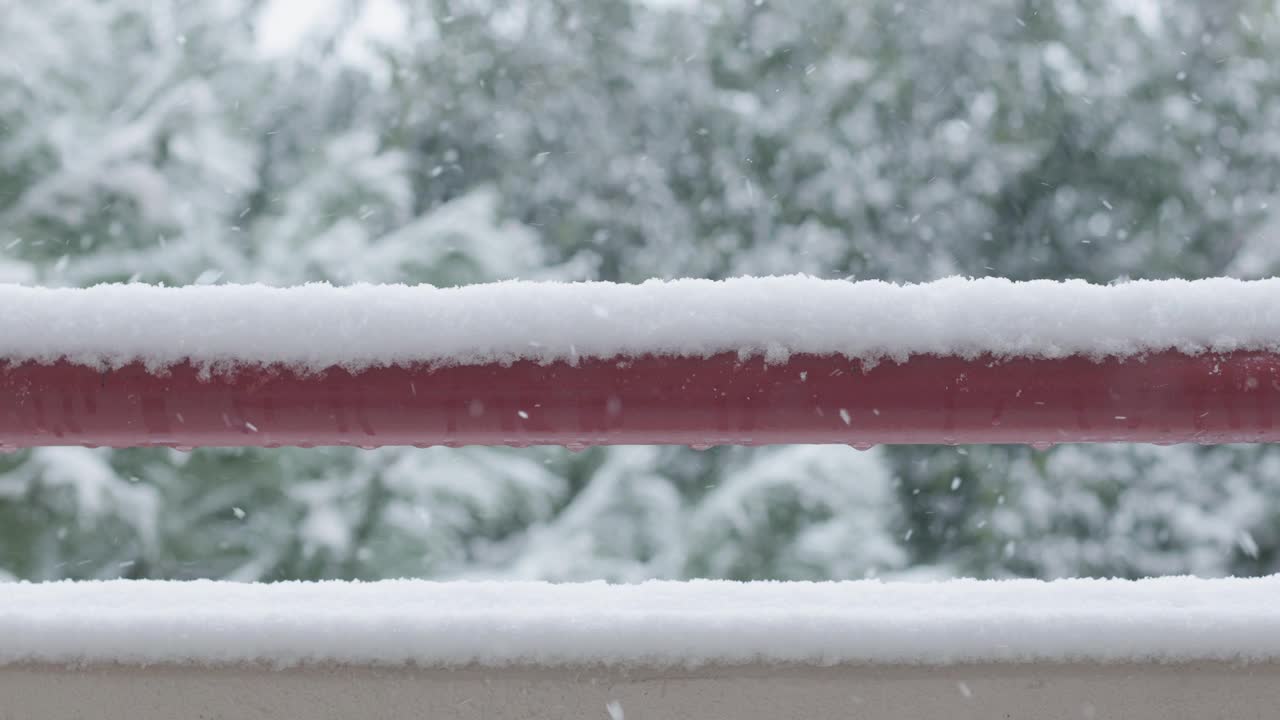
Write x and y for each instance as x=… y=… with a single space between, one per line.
x=1044 y=691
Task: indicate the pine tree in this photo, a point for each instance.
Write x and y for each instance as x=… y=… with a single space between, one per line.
x=155 y=140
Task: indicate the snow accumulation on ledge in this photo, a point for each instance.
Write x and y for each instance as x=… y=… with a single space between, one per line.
x=318 y=326
x=653 y=624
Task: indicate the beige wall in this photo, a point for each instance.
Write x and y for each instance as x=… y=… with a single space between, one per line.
x=1041 y=691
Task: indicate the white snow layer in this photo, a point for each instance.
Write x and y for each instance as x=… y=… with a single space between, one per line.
x=650 y=624
x=316 y=326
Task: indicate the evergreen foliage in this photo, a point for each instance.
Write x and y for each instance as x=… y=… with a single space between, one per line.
x=171 y=141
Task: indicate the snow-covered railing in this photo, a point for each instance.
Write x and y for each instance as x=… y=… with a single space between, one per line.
x=656 y=624
x=745 y=361
x=1172 y=647
x=694 y=362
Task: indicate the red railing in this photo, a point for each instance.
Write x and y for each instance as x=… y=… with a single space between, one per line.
x=1165 y=397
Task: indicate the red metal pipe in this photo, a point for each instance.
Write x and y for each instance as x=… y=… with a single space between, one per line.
x=1167 y=398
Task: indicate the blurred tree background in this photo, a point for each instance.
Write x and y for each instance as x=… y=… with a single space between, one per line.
x=459 y=141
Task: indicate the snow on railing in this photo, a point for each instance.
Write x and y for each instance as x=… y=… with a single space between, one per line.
x=745 y=361
x=652 y=625
x=1144 y=650
x=696 y=362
